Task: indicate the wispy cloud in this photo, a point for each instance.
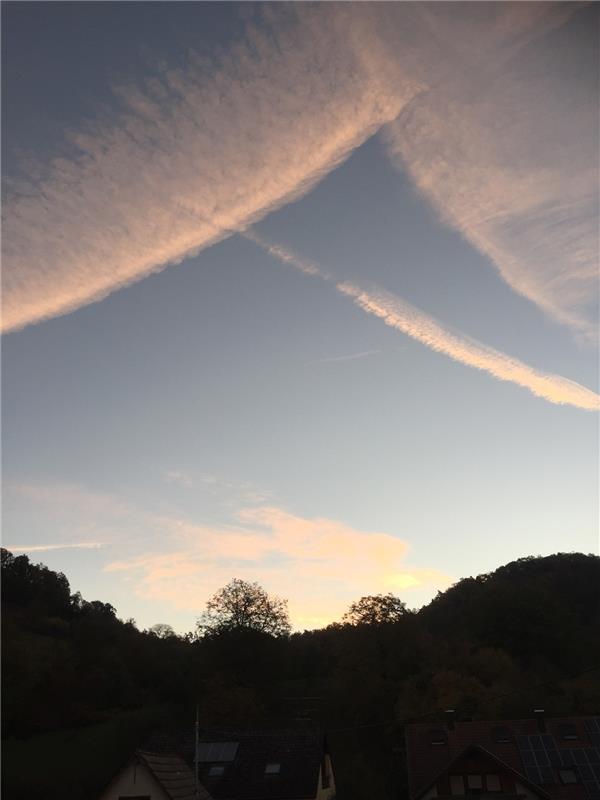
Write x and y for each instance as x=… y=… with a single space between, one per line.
x=42 y=548
x=317 y=563
x=506 y=149
x=225 y=491
x=77 y=517
x=477 y=109
x=404 y=317
x=178 y=476
x=349 y=357
x=68 y=496
x=192 y=154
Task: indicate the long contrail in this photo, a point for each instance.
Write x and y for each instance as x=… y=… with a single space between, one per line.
x=403 y=316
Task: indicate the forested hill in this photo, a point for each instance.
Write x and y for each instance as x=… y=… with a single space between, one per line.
x=534 y=607
x=496 y=645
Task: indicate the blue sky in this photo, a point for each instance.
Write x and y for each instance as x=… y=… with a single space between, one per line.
x=298 y=295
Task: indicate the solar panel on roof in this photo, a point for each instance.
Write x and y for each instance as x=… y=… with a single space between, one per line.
x=592 y=727
x=541 y=758
x=528 y=758
x=587 y=762
x=586 y=773
x=593 y=724
x=536 y=760
x=547 y=775
x=216 y=751
x=540 y=775
x=552 y=751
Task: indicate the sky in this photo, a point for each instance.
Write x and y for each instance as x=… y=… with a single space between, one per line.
x=303 y=294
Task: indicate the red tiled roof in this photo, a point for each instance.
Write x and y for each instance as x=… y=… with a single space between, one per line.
x=489 y=759
x=425 y=761
x=173 y=774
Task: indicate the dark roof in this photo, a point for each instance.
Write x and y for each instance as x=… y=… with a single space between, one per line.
x=299 y=752
x=425 y=760
x=173 y=774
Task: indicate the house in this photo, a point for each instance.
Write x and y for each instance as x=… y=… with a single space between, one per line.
x=258 y=765
x=537 y=758
x=154 y=776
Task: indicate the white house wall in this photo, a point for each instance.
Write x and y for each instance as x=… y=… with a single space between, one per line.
x=135 y=780
x=329 y=793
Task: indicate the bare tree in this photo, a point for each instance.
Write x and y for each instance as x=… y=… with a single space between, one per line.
x=244 y=606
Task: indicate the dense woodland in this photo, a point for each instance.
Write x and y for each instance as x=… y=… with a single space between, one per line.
x=82 y=688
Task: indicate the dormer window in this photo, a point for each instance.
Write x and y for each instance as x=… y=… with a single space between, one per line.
x=216 y=771
x=567 y=776
x=272 y=769
x=437 y=737
x=568 y=731
x=501 y=734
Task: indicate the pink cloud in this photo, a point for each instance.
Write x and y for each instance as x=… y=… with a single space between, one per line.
x=190 y=155
x=319 y=564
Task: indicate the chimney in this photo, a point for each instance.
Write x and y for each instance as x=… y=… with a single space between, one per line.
x=449 y=714
x=538 y=713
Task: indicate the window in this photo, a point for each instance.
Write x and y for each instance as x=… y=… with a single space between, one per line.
x=438 y=737
x=568 y=731
x=492 y=783
x=216 y=771
x=474 y=782
x=501 y=734
x=567 y=776
x=457 y=784
x=272 y=769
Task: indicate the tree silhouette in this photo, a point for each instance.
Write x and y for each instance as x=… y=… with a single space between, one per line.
x=242 y=605
x=162 y=630
x=375 y=609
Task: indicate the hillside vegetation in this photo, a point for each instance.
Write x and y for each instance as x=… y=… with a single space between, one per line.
x=82 y=688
